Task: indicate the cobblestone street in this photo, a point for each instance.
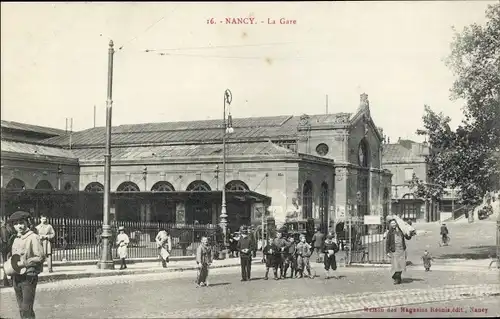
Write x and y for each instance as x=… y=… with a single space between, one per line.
x=175 y=295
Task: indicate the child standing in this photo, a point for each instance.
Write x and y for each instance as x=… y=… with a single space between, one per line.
x=330 y=249
x=122 y=241
x=427 y=258
x=203 y=261
x=303 y=255
x=268 y=257
x=290 y=257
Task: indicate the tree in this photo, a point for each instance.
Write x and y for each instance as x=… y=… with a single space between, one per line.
x=469 y=157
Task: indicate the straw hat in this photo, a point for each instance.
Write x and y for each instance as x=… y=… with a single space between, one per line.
x=10 y=266
x=121 y=228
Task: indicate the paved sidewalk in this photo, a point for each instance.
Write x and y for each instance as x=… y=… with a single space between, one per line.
x=329 y=305
x=87 y=271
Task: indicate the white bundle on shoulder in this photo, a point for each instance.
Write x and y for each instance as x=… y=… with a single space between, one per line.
x=406 y=228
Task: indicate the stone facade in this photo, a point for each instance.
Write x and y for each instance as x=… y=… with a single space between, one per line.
x=312 y=169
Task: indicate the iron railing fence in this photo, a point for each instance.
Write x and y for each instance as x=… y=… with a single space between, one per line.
x=366 y=244
x=79 y=239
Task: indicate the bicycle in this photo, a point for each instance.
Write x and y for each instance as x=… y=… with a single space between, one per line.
x=445 y=240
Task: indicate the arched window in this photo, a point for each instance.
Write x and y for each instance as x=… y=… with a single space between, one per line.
x=44 y=185
x=385 y=205
x=363 y=153
x=68 y=187
x=236 y=186
x=162 y=187
x=16 y=184
x=307 y=200
x=362 y=194
x=408 y=196
x=198 y=186
x=128 y=187
x=94 y=187
x=323 y=206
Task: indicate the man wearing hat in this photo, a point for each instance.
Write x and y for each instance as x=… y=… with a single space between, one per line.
x=25 y=263
x=122 y=242
x=245 y=249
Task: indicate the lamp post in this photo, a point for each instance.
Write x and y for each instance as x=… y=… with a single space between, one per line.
x=106 y=261
x=264 y=217
x=227 y=129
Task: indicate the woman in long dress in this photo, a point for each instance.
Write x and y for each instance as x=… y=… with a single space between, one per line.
x=396 y=250
x=122 y=242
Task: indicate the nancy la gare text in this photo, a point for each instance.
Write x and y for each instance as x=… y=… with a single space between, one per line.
x=250 y=20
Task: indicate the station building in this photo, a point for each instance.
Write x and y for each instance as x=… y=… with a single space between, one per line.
x=325 y=166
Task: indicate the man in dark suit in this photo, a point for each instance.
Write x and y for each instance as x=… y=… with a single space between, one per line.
x=245 y=249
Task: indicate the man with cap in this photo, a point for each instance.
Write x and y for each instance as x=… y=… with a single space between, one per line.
x=245 y=249
x=27 y=249
x=330 y=249
x=280 y=245
x=122 y=242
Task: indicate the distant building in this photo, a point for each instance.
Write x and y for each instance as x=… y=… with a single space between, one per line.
x=324 y=167
x=404 y=159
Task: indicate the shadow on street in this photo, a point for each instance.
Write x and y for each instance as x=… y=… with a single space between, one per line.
x=472 y=252
x=410 y=280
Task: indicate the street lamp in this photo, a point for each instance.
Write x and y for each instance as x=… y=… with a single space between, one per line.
x=106 y=261
x=227 y=127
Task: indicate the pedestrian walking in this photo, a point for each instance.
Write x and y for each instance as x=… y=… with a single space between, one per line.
x=330 y=249
x=245 y=249
x=427 y=258
x=444 y=235
x=122 y=242
x=25 y=263
x=47 y=234
x=268 y=256
x=279 y=244
x=7 y=236
x=164 y=244
x=303 y=255
x=317 y=242
x=290 y=258
x=203 y=261
x=396 y=249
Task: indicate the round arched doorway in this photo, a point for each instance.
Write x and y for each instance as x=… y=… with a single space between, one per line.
x=128 y=204
x=323 y=207
x=198 y=205
x=162 y=206
x=93 y=206
x=307 y=200
x=239 y=212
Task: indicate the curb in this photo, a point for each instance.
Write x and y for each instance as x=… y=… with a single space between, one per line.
x=110 y=273
x=129 y=261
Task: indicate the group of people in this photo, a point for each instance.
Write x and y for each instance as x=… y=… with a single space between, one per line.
x=283 y=253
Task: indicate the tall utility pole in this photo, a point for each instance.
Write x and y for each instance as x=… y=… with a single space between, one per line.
x=106 y=261
x=227 y=128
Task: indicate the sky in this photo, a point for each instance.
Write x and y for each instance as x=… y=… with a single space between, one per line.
x=54 y=60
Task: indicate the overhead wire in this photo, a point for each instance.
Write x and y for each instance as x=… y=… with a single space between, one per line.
x=142 y=33
x=219 y=46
